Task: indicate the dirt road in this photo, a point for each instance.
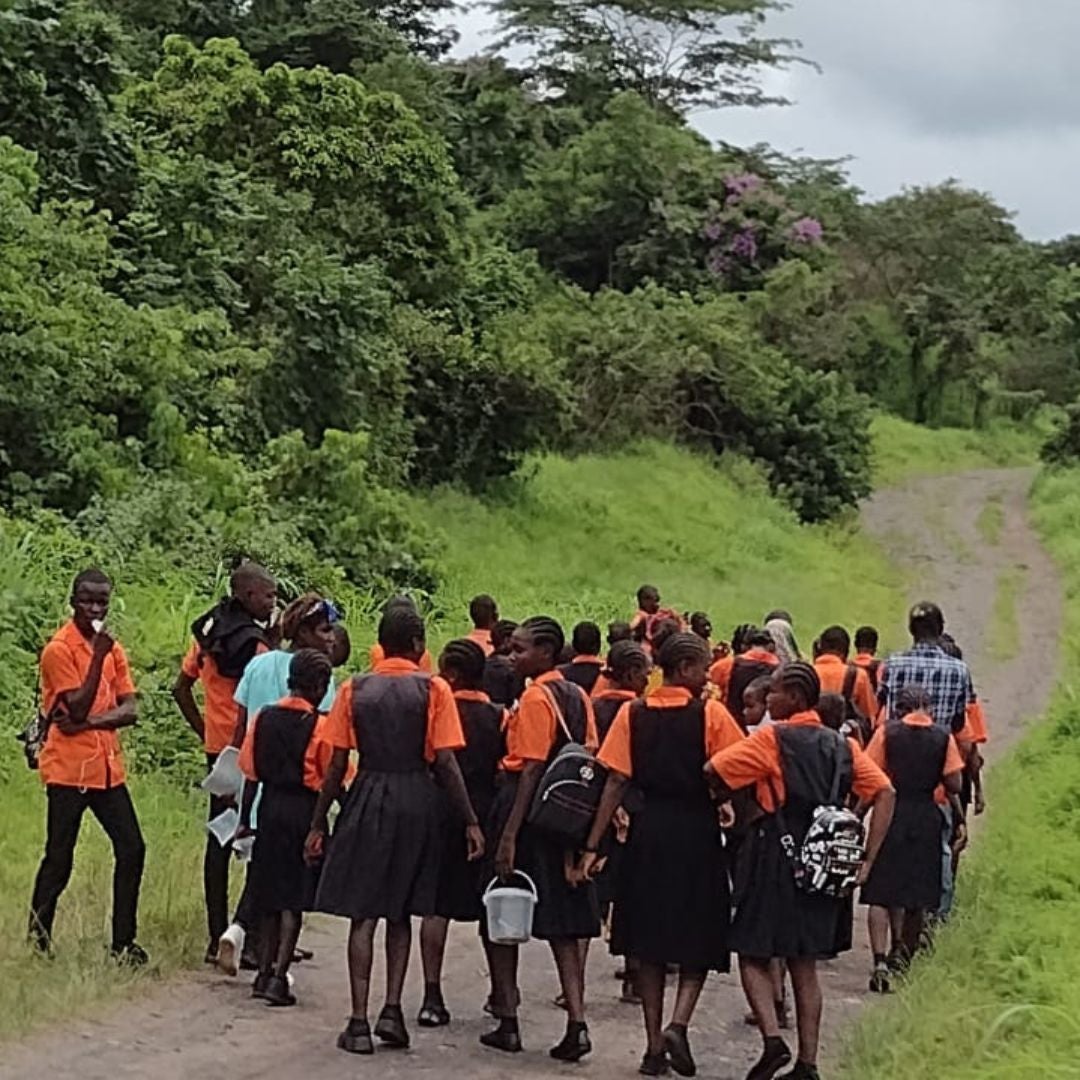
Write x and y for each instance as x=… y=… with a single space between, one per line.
x=204 y=1025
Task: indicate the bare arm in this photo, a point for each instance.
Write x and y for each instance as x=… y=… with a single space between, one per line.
x=251 y=789
x=123 y=715
x=331 y=789
x=241 y=727
x=184 y=696
x=77 y=703
x=883 y=806
x=610 y=800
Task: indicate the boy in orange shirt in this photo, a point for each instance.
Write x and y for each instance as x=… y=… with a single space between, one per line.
x=840 y=677
x=88 y=695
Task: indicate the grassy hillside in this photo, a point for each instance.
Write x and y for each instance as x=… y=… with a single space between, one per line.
x=1000 y=998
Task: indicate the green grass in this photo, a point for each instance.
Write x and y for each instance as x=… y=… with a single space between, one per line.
x=1004 y=630
x=991 y=521
x=1000 y=999
x=903 y=451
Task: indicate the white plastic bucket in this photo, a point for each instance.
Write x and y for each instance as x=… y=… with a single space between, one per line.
x=510 y=910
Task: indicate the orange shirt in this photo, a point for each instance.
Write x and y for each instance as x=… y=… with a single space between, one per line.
x=954 y=762
x=316 y=756
x=219 y=705
x=720 y=675
x=602 y=686
x=832 y=671
x=90 y=759
x=443 y=723
x=483 y=639
x=721 y=731
x=756 y=760
x=377 y=655
x=531 y=727
x=975 y=730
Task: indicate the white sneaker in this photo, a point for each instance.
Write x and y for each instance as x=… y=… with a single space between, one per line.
x=230 y=948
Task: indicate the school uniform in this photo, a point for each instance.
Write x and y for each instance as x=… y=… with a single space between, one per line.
x=534 y=734
x=792 y=766
x=584 y=671
x=672 y=899
x=872 y=666
x=377 y=654
x=500 y=682
x=917 y=756
x=482 y=638
x=382 y=860
x=460 y=887
x=745 y=669
x=835 y=675
x=286 y=751
x=81 y=772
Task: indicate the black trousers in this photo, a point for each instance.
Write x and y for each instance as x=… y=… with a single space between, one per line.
x=114 y=810
x=216 y=871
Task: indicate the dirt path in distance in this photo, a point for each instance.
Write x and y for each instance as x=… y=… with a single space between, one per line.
x=203 y=1025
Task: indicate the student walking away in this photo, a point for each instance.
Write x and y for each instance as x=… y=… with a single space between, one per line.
x=650 y=614
x=383 y=859
x=227 y=638
x=286 y=752
x=850 y=681
x=617 y=631
x=672 y=897
x=924 y=765
x=377 y=654
x=551 y=712
x=88 y=696
x=484 y=613
x=796 y=767
x=866 y=647
x=584 y=667
x=500 y=682
x=720 y=671
x=781 y=627
x=307 y=623
x=757 y=661
x=458 y=895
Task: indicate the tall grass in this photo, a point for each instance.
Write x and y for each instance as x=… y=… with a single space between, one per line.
x=1000 y=998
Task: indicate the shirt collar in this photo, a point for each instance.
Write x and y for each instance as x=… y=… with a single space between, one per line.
x=555 y=675
x=471 y=695
x=927 y=647
x=613 y=694
x=918 y=719
x=396 y=665
x=810 y=717
x=670 y=695
x=759 y=656
x=71 y=635
x=829 y=660
x=291 y=701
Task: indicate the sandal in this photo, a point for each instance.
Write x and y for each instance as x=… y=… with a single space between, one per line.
x=654 y=1065
x=433 y=1014
x=390 y=1027
x=356 y=1038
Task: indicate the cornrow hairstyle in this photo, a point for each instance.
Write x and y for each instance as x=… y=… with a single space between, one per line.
x=623 y=657
x=756 y=638
x=800 y=678
x=310 y=672
x=679 y=649
x=293 y=617
x=400 y=629
x=466 y=659
x=502 y=632
x=912 y=698
x=91 y=576
x=739 y=636
x=547 y=633
x=662 y=631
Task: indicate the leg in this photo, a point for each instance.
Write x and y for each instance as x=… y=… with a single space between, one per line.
x=650 y=985
x=433 y=932
x=116 y=813
x=567 y=953
x=911 y=927
x=216 y=874
x=879 y=925
x=269 y=938
x=361 y=936
x=757 y=981
x=804 y=981
x=288 y=929
x=65 y=806
x=398 y=946
x=947 y=879
x=503 y=968
x=691 y=983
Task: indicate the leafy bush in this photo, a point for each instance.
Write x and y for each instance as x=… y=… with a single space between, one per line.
x=1062 y=446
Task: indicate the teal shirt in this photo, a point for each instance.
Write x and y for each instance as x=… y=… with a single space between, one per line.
x=266 y=681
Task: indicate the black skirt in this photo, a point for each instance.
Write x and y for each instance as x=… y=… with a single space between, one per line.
x=382 y=861
x=459 y=889
x=562 y=911
x=672 y=904
x=907 y=871
x=773 y=917
x=280 y=879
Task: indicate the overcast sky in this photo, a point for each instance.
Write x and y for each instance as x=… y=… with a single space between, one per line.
x=917 y=91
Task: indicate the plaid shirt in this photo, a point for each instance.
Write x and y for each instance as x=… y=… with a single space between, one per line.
x=947 y=680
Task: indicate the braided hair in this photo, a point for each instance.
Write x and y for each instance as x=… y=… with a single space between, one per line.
x=801 y=680
x=462 y=663
x=401 y=631
x=663 y=630
x=739 y=638
x=309 y=674
x=679 y=649
x=547 y=634
x=912 y=698
x=304 y=607
x=623 y=658
x=501 y=633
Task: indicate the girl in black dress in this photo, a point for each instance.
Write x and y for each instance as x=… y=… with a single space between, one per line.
x=565 y=914
x=383 y=860
x=672 y=902
x=458 y=894
x=285 y=750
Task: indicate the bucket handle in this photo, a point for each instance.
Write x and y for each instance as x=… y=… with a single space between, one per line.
x=495 y=881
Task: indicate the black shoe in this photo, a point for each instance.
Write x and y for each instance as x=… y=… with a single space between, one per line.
x=131 y=955
x=259 y=986
x=677 y=1046
x=574 y=1045
x=879 y=981
x=390 y=1027
x=802 y=1071
x=773 y=1058
x=356 y=1038
x=433 y=1013
x=506 y=1037
x=277 y=992
x=300 y=955
x=654 y=1065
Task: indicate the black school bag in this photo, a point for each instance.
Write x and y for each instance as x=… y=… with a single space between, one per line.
x=569 y=791
x=230 y=635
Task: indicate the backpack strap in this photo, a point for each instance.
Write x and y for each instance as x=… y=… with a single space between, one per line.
x=559 y=717
x=834 y=787
x=850 y=676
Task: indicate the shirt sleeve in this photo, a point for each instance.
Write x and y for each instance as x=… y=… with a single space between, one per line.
x=954 y=761
x=975 y=723
x=125 y=685
x=246 y=761
x=532 y=730
x=867 y=780
x=340 y=730
x=190 y=666
x=615 y=753
x=444 y=724
x=721 y=730
x=317 y=758
x=753 y=759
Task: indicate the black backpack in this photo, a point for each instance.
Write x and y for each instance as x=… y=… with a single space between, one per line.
x=853 y=717
x=569 y=791
x=230 y=635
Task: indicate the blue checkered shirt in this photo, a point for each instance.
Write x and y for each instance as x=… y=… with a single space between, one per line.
x=946 y=679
